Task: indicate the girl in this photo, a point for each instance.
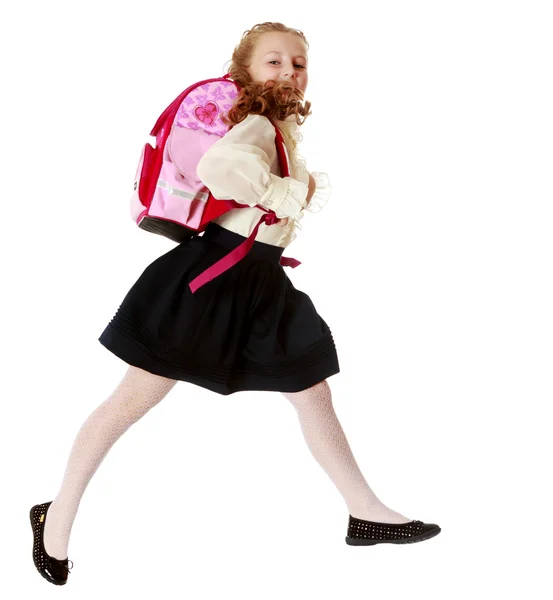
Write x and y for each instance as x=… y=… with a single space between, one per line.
x=248 y=329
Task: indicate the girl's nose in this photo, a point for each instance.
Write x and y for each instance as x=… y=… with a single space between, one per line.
x=289 y=71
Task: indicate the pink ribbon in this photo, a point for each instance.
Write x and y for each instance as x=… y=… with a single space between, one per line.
x=238 y=254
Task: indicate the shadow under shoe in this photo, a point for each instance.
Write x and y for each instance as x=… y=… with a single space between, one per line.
x=52 y=569
x=368 y=533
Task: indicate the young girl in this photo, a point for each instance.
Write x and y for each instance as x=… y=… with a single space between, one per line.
x=248 y=329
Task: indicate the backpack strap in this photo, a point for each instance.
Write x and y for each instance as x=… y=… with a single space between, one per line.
x=242 y=250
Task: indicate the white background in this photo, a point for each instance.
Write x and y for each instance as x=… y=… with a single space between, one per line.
x=431 y=264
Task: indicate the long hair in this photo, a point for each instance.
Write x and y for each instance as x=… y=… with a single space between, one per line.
x=274 y=100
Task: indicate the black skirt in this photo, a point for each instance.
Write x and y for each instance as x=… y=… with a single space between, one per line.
x=248 y=329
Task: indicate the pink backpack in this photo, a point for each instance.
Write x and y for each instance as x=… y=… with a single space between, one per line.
x=169 y=199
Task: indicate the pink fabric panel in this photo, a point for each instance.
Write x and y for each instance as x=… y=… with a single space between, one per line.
x=186 y=147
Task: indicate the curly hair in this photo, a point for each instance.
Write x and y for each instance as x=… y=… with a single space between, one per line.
x=272 y=99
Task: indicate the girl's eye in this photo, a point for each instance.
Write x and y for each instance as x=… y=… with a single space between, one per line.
x=276 y=61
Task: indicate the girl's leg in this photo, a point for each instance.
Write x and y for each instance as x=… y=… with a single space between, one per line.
x=137 y=393
x=328 y=444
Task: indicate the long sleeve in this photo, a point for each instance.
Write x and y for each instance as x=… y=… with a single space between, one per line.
x=238 y=167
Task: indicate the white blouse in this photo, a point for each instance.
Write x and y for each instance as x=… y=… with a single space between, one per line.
x=243 y=166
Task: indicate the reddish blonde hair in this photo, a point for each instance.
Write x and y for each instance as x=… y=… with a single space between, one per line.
x=272 y=99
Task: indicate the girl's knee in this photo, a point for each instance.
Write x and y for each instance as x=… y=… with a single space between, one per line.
x=319 y=392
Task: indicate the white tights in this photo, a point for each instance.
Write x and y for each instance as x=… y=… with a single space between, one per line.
x=139 y=391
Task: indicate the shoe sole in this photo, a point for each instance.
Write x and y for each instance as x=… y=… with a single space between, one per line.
x=410 y=540
x=47 y=577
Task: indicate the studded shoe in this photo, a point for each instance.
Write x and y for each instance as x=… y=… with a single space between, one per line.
x=368 y=533
x=52 y=569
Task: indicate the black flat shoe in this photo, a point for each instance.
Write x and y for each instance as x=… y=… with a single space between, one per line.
x=52 y=569
x=368 y=533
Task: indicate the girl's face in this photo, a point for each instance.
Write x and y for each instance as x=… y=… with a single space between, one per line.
x=281 y=57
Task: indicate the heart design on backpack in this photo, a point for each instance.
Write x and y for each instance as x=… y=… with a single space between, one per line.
x=207 y=113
